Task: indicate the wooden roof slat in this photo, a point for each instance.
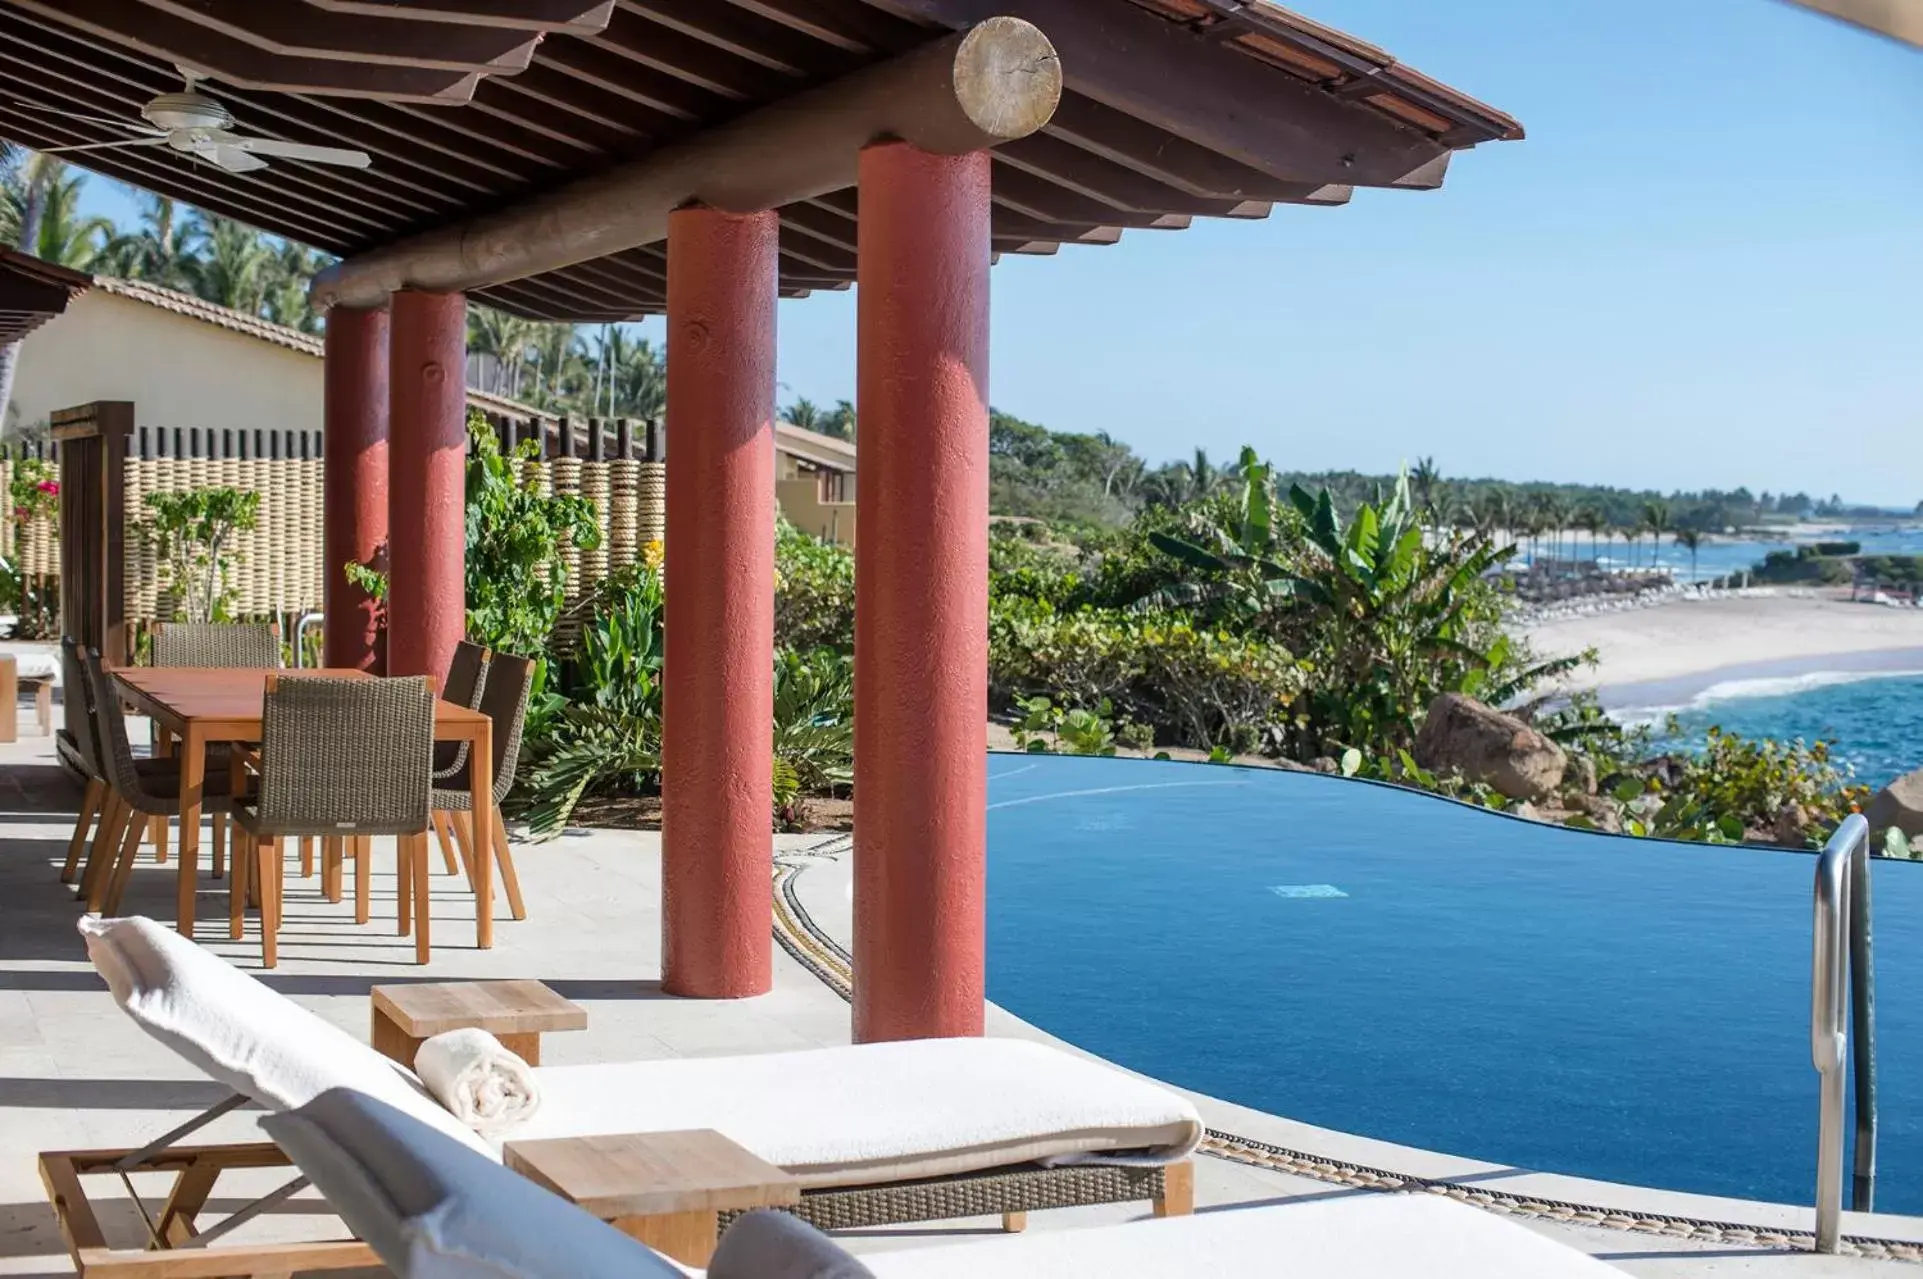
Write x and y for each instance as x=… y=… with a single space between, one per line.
x=299 y=31
x=619 y=78
x=749 y=35
x=1039 y=198
x=582 y=17
x=1066 y=165
x=162 y=35
x=637 y=38
x=1156 y=71
x=313 y=121
x=557 y=92
x=849 y=25
x=593 y=138
x=33 y=82
x=1117 y=136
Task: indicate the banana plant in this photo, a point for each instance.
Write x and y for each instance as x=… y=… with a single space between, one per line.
x=1252 y=549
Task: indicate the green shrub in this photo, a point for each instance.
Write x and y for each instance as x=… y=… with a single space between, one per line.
x=1736 y=786
x=814 y=592
x=1193 y=685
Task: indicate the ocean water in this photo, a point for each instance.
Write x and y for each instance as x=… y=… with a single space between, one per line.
x=1723 y=557
x=1873 y=722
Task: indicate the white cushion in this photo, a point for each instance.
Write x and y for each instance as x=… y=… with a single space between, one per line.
x=30 y=664
x=1339 y=1235
x=882 y=1112
x=242 y=1033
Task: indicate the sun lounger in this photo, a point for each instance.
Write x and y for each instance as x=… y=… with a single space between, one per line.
x=432 y=1208
x=878 y=1133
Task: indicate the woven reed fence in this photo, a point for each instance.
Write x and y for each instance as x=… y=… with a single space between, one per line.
x=277 y=567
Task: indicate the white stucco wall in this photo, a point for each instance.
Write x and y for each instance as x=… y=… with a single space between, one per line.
x=178 y=370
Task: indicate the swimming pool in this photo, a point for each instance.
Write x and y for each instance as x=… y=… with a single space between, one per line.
x=1390 y=964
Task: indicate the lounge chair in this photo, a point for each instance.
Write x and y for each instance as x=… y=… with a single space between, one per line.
x=877 y=1133
x=433 y=1209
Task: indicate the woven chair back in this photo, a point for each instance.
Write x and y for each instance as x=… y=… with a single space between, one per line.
x=504 y=700
x=346 y=756
x=76 y=696
x=464 y=675
x=217 y=644
x=116 y=753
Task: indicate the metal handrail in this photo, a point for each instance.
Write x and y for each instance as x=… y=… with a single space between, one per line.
x=1841 y=993
x=300 y=631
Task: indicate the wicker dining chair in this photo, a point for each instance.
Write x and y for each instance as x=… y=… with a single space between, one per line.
x=148 y=791
x=343 y=760
x=252 y=645
x=78 y=744
x=466 y=675
x=504 y=699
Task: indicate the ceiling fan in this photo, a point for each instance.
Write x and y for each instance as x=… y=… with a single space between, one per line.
x=196 y=125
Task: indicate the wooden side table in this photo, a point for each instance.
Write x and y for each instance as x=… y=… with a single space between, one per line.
x=666 y=1189
x=517 y=1013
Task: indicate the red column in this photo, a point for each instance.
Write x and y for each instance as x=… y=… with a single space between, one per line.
x=921 y=593
x=427 y=541
x=717 y=783
x=354 y=415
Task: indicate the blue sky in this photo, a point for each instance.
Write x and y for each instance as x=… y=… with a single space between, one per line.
x=1700 y=269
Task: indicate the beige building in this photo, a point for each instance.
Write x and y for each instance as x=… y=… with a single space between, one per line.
x=184 y=362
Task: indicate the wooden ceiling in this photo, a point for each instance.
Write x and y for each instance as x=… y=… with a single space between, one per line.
x=1174 y=109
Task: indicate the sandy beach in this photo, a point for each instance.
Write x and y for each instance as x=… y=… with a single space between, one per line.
x=1649 y=655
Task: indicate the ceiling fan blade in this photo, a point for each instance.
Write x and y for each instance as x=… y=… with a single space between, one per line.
x=233 y=159
x=102 y=146
x=135 y=126
x=300 y=151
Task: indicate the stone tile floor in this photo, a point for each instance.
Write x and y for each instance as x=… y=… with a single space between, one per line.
x=76 y=1073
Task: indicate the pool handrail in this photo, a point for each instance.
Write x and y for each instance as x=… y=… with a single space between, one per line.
x=1840 y=944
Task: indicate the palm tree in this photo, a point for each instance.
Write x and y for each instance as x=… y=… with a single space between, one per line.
x=1204 y=476
x=641 y=384
x=840 y=421
x=161 y=250
x=47 y=215
x=1656 y=520
x=804 y=414
x=504 y=339
x=25 y=209
x=288 y=273
x=1423 y=483
x=556 y=351
x=1690 y=539
x=233 y=265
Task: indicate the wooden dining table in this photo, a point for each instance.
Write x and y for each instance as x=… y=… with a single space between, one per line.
x=198 y=706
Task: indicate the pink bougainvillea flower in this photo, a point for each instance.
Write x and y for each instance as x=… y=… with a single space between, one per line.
x=50 y=486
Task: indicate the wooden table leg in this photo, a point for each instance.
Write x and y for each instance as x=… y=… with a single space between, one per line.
x=157 y=826
x=688 y=1237
x=481 y=780
x=193 y=768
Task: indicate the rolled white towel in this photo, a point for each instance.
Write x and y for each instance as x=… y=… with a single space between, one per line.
x=482 y=1084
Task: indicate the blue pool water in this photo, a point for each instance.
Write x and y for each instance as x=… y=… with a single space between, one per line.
x=1390 y=964
x=1873 y=725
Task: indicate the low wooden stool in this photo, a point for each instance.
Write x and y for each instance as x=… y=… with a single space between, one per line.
x=10 y=681
x=517 y=1013
x=666 y=1189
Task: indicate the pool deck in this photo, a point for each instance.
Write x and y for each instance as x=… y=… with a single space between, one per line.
x=75 y=1072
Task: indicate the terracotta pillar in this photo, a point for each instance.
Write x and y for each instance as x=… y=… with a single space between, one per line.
x=354 y=487
x=717 y=783
x=427 y=541
x=921 y=593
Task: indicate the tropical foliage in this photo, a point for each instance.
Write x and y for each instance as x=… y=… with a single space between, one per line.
x=192 y=533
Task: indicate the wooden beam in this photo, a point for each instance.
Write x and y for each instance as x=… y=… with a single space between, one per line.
x=1160 y=72
x=995 y=82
